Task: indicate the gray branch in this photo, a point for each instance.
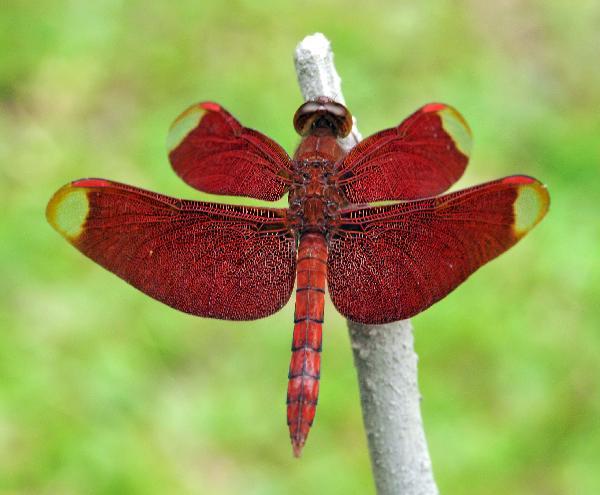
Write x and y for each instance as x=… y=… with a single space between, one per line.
x=384 y=355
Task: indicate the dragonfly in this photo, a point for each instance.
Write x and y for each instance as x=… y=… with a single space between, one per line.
x=370 y=224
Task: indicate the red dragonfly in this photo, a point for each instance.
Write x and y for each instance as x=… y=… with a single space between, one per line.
x=381 y=263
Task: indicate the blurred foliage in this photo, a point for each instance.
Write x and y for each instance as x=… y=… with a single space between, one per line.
x=103 y=390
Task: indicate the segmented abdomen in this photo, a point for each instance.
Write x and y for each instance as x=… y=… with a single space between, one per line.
x=303 y=386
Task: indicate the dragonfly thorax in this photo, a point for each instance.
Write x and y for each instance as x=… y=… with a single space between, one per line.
x=314 y=197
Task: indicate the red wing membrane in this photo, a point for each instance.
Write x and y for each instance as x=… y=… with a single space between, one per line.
x=212 y=152
x=422 y=157
x=211 y=260
x=392 y=262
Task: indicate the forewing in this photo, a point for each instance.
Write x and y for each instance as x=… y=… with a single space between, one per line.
x=211 y=260
x=211 y=151
x=422 y=157
x=390 y=263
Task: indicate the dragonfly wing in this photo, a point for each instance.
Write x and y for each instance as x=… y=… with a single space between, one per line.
x=212 y=152
x=389 y=263
x=218 y=261
x=422 y=157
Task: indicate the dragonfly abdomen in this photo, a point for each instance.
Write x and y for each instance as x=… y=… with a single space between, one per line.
x=305 y=365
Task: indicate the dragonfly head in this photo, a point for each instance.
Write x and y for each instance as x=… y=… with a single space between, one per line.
x=323 y=116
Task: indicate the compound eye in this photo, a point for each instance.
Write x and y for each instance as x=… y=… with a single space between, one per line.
x=336 y=109
x=302 y=117
x=323 y=111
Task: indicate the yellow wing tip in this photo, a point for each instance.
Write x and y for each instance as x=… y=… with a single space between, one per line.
x=186 y=122
x=530 y=206
x=457 y=128
x=67 y=211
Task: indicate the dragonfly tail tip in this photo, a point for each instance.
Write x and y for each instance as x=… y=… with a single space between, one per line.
x=297 y=448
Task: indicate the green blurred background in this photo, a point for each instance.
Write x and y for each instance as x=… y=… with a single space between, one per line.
x=103 y=390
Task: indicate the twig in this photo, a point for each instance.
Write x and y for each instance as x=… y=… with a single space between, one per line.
x=384 y=355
